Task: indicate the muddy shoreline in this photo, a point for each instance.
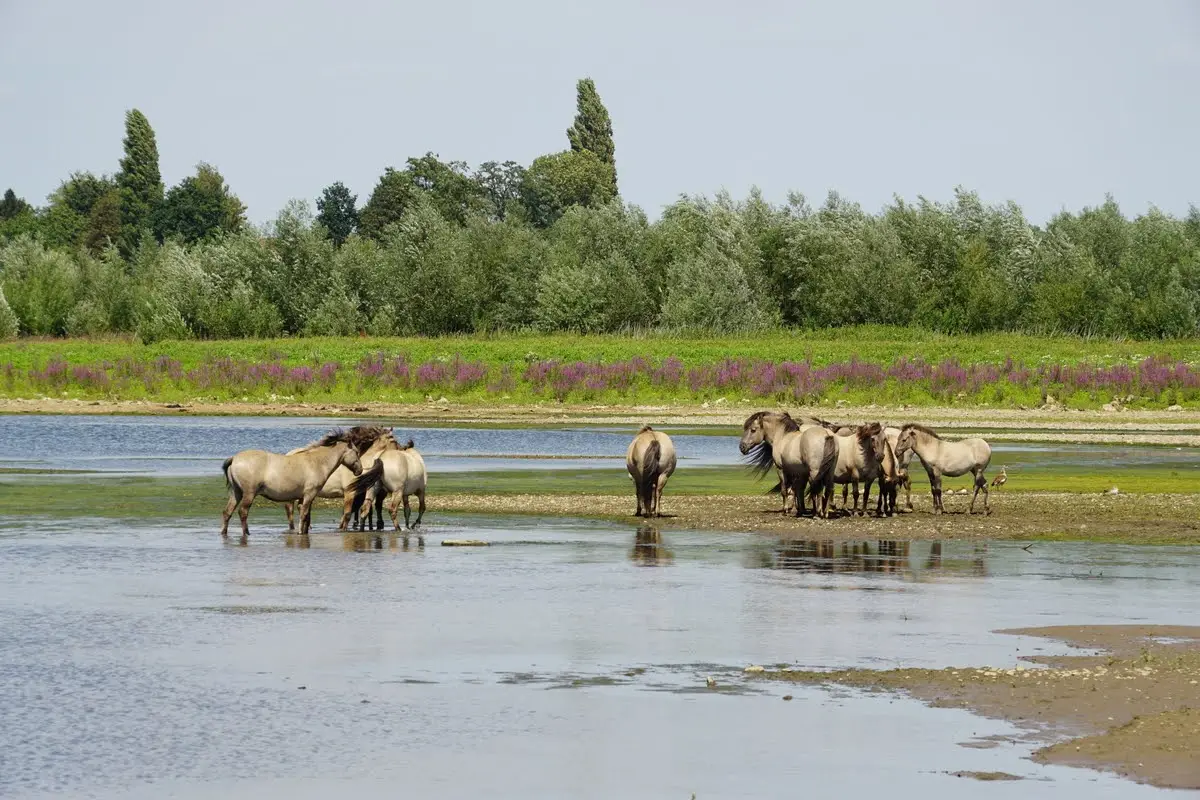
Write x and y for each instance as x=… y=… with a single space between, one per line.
x=1028 y=516
x=1133 y=709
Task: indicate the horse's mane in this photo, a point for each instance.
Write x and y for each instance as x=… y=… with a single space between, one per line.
x=645 y=428
x=916 y=426
x=409 y=445
x=335 y=436
x=789 y=424
x=361 y=437
x=865 y=434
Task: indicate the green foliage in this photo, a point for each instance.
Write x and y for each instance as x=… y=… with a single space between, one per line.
x=200 y=207
x=556 y=182
x=41 y=285
x=139 y=181
x=12 y=206
x=592 y=130
x=336 y=210
x=500 y=187
x=104 y=222
x=709 y=292
x=9 y=327
x=445 y=186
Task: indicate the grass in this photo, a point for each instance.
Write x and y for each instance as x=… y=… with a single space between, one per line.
x=171 y=498
x=875 y=344
x=491 y=369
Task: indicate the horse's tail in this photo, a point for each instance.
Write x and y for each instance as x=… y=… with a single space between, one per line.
x=650 y=469
x=776 y=489
x=370 y=479
x=225 y=469
x=829 y=456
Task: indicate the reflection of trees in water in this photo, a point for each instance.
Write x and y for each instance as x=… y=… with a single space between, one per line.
x=648 y=547
x=887 y=556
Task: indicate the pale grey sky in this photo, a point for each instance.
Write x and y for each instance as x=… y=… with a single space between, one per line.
x=1051 y=104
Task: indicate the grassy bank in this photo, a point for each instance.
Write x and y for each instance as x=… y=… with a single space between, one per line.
x=853 y=365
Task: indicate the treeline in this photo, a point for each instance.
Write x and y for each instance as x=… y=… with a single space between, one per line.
x=440 y=248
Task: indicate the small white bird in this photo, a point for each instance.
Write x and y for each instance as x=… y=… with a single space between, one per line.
x=710 y=681
x=1113 y=490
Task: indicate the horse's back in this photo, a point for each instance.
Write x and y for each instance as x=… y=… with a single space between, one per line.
x=414 y=479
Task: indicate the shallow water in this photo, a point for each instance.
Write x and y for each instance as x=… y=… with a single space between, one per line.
x=198 y=445
x=568 y=659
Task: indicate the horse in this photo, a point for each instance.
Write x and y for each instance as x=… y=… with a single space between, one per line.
x=369 y=441
x=397 y=472
x=902 y=462
x=941 y=457
x=891 y=475
x=650 y=460
x=284 y=478
x=811 y=459
x=764 y=435
x=859 y=458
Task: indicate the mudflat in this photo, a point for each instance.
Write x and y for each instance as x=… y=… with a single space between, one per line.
x=1131 y=706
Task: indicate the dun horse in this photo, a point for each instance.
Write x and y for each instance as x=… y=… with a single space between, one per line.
x=945 y=458
x=859 y=459
x=398 y=472
x=650 y=461
x=369 y=441
x=766 y=436
x=285 y=478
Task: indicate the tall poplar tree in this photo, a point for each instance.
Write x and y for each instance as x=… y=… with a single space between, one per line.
x=592 y=130
x=139 y=181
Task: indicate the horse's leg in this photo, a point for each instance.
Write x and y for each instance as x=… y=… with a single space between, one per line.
x=783 y=488
x=866 y=497
x=347 y=506
x=306 y=513
x=420 y=507
x=235 y=499
x=244 y=511
x=287 y=509
x=980 y=483
x=393 y=509
x=407 y=510
x=379 y=512
x=908 y=492
x=659 y=485
x=637 y=488
x=854 y=510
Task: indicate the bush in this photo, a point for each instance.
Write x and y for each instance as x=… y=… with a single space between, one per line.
x=9 y=327
x=41 y=285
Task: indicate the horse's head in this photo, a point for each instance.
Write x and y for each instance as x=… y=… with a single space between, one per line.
x=754 y=432
x=350 y=459
x=906 y=441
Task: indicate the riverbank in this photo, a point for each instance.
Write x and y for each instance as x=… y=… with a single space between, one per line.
x=1128 y=426
x=1133 y=710
x=1025 y=516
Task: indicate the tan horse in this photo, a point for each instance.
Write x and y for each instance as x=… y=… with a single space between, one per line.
x=284 y=478
x=902 y=462
x=811 y=459
x=397 y=472
x=945 y=458
x=650 y=461
x=369 y=441
x=859 y=459
x=891 y=475
x=765 y=437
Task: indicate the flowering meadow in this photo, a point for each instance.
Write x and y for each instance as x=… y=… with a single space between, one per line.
x=1154 y=381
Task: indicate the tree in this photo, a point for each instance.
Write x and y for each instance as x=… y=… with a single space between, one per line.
x=139 y=181
x=200 y=207
x=556 y=182
x=16 y=217
x=104 y=222
x=500 y=186
x=336 y=210
x=592 y=130
x=9 y=328
x=12 y=206
x=387 y=203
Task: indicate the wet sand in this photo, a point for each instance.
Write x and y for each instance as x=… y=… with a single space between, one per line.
x=1141 y=518
x=1180 y=428
x=1133 y=709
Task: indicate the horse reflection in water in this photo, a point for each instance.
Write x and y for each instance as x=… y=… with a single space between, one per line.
x=649 y=549
x=353 y=542
x=881 y=557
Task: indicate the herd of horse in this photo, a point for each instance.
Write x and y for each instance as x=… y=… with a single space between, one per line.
x=813 y=455
x=366 y=467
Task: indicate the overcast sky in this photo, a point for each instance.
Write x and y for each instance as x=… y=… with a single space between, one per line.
x=1051 y=104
